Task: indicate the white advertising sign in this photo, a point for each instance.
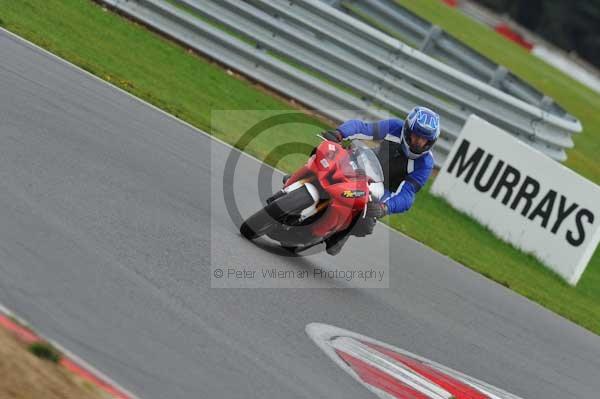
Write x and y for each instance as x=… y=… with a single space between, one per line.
x=524 y=197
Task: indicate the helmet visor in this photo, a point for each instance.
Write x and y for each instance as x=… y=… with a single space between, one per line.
x=417 y=143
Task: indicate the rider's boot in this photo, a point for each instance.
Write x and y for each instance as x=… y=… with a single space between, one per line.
x=335 y=243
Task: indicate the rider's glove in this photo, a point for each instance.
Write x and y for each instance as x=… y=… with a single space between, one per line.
x=376 y=210
x=333 y=135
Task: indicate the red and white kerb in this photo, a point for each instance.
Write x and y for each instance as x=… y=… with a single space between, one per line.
x=391 y=372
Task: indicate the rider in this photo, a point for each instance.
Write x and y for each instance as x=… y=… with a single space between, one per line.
x=406 y=160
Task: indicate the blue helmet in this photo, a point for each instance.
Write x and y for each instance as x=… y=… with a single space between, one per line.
x=420 y=122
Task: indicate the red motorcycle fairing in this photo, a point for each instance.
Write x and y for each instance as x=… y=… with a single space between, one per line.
x=347 y=187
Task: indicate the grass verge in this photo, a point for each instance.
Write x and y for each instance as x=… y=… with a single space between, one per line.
x=172 y=78
x=45 y=351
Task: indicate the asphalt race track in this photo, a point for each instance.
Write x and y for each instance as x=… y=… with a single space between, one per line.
x=106 y=243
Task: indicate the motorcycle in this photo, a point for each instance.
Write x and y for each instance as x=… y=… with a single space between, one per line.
x=324 y=197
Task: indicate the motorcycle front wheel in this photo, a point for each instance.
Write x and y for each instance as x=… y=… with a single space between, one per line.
x=266 y=219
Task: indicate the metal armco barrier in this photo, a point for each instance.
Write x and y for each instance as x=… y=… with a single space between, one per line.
x=432 y=40
x=247 y=59
x=380 y=75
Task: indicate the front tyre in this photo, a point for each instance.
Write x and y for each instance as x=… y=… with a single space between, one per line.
x=269 y=217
